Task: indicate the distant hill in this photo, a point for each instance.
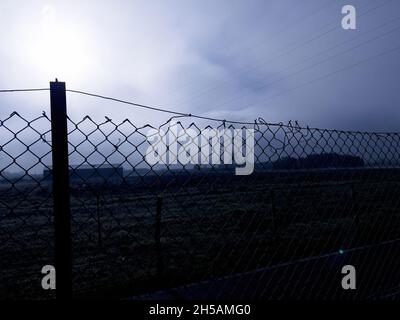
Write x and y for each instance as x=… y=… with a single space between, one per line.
x=315 y=161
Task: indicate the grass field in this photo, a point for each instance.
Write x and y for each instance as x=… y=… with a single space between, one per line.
x=211 y=226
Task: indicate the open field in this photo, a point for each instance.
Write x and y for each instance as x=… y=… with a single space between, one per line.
x=211 y=226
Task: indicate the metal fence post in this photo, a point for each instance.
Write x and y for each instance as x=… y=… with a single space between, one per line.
x=61 y=196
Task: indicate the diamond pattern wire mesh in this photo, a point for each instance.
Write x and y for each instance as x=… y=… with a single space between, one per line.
x=317 y=199
x=26 y=209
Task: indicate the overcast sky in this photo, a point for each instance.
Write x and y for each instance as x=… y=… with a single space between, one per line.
x=278 y=59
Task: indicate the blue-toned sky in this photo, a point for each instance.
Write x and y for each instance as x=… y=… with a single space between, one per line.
x=278 y=59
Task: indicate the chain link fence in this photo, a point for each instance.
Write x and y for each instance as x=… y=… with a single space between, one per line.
x=26 y=206
x=316 y=200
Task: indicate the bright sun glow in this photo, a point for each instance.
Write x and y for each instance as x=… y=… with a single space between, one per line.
x=58 y=50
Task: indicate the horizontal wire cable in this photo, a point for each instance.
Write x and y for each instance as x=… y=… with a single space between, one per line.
x=313 y=66
x=258 y=121
x=155 y=108
x=284 y=52
x=351 y=66
x=128 y=102
x=262 y=44
x=24 y=90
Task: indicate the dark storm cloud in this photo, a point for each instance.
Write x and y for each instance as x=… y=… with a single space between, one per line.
x=229 y=59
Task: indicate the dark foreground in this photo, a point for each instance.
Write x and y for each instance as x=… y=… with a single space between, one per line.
x=273 y=235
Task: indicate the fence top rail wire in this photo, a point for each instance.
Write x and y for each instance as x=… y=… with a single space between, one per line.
x=23 y=90
x=257 y=122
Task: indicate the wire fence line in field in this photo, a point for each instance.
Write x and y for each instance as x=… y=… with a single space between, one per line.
x=138 y=228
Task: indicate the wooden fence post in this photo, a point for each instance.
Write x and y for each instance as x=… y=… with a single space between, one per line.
x=61 y=196
x=158 y=237
x=355 y=209
x=99 y=240
x=273 y=213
